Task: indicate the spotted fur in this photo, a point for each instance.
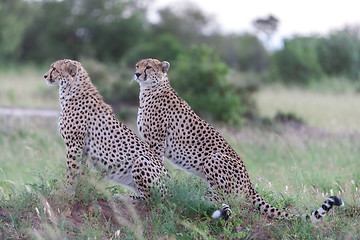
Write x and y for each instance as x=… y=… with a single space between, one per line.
x=89 y=127
x=175 y=131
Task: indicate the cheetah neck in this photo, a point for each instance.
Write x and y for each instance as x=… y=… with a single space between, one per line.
x=75 y=90
x=148 y=92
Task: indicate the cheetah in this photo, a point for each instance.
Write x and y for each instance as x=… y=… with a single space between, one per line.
x=172 y=129
x=89 y=128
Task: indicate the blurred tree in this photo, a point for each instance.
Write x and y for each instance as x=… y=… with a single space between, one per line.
x=186 y=22
x=243 y=52
x=163 y=47
x=201 y=79
x=13 y=27
x=104 y=29
x=339 y=53
x=251 y=54
x=114 y=82
x=267 y=25
x=297 y=61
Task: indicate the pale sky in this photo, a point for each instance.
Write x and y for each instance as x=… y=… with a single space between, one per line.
x=296 y=17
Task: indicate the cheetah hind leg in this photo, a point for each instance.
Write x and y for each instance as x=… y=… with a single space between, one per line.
x=146 y=176
x=219 y=181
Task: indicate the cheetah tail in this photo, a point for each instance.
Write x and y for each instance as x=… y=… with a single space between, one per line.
x=325 y=207
x=279 y=214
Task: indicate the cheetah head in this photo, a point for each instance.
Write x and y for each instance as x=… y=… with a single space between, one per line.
x=151 y=72
x=62 y=72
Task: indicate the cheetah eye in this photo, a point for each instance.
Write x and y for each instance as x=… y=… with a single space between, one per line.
x=148 y=67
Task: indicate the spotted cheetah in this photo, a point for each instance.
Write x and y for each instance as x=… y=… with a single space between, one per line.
x=172 y=129
x=89 y=127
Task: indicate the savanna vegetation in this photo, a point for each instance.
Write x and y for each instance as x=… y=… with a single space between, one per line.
x=293 y=168
x=292 y=113
x=110 y=36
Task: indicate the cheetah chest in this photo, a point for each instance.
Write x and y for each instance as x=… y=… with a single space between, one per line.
x=140 y=122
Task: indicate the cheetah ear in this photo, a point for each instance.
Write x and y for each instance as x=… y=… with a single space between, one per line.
x=72 y=69
x=165 y=66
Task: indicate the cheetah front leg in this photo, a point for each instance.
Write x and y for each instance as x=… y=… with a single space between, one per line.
x=75 y=143
x=74 y=163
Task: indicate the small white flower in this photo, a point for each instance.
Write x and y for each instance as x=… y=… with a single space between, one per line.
x=37 y=212
x=27 y=188
x=48 y=208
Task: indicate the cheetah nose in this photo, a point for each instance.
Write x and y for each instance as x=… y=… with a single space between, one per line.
x=137 y=74
x=45 y=76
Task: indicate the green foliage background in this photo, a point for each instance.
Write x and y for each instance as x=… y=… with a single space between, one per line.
x=110 y=36
x=217 y=74
x=205 y=86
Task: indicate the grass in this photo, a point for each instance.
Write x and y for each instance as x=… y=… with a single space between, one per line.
x=332 y=111
x=291 y=167
x=296 y=170
x=26 y=87
x=27 y=145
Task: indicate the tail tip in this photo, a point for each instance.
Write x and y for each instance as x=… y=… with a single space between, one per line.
x=337 y=201
x=224 y=212
x=216 y=214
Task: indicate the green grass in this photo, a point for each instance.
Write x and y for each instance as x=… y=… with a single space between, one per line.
x=26 y=87
x=295 y=168
x=335 y=112
x=27 y=145
x=302 y=167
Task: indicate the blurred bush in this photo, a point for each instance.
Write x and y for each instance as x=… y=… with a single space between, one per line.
x=297 y=61
x=13 y=28
x=110 y=36
x=200 y=77
x=244 y=52
x=306 y=59
x=288 y=117
x=164 y=46
x=114 y=82
x=185 y=21
x=339 y=53
x=101 y=29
